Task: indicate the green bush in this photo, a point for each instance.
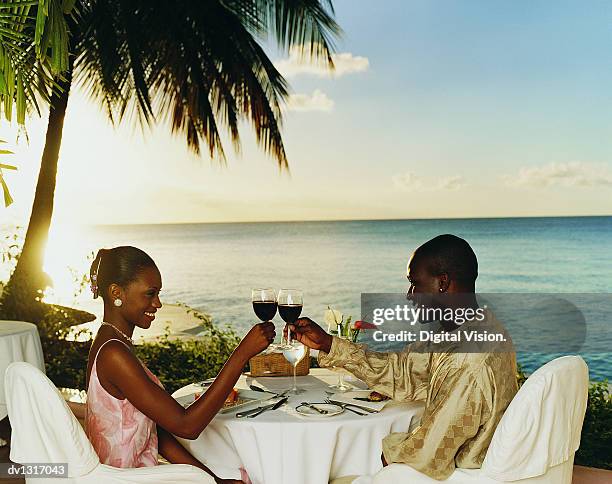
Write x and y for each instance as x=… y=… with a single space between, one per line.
x=596 y=440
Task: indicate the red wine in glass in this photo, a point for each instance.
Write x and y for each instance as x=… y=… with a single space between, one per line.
x=264 y=303
x=289 y=312
x=264 y=310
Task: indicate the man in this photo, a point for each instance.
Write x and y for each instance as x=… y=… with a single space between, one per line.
x=465 y=394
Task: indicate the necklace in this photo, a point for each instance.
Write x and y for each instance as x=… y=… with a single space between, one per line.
x=104 y=323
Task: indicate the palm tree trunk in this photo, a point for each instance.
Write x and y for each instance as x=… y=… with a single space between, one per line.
x=20 y=296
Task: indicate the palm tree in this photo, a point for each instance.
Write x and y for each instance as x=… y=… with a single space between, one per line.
x=196 y=64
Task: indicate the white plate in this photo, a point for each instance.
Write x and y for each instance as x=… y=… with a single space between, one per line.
x=331 y=408
x=349 y=397
x=185 y=400
x=251 y=398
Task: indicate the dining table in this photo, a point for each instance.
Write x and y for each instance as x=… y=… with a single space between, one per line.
x=19 y=341
x=286 y=446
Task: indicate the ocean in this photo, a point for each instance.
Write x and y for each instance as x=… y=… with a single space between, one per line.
x=212 y=267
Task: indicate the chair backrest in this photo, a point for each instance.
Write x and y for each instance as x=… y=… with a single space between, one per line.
x=44 y=428
x=541 y=427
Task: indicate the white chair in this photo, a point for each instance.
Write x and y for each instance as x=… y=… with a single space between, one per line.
x=46 y=431
x=535 y=440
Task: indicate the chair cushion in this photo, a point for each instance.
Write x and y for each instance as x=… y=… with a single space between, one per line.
x=541 y=427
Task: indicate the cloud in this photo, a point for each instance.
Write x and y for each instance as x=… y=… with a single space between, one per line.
x=574 y=174
x=317 y=101
x=451 y=183
x=297 y=64
x=409 y=182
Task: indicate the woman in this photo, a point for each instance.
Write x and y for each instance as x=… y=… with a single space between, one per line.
x=130 y=417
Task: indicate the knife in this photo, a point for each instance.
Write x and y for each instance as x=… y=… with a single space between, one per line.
x=274 y=407
x=369 y=410
x=257 y=410
x=205 y=383
x=255 y=388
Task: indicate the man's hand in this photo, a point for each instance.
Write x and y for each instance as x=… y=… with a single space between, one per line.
x=309 y=333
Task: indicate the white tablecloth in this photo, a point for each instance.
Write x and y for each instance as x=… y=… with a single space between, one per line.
x=281 y=447
x=19 y=341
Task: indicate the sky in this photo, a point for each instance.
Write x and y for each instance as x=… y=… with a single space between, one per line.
x=479 y=108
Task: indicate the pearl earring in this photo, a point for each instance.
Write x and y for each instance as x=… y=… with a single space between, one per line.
x=118 y=302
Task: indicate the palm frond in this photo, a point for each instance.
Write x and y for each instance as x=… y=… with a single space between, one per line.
x=307 y=25
x=5 y=190
x=33 y=51
x=198 y=65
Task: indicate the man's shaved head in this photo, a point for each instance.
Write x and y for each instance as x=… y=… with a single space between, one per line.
x=449 y=254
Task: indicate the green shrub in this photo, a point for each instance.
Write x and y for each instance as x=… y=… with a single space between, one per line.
x=596 y=440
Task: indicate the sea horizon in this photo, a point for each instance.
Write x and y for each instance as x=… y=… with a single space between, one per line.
x=392 y=219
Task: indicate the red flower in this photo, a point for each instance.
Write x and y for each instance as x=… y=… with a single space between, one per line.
x=364 y=325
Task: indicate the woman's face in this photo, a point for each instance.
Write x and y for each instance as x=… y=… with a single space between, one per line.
x=141 y=298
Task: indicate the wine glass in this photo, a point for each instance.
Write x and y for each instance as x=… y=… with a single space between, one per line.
x=293 y=352
x=340 y=385
x=264 y=303
x=290 y=303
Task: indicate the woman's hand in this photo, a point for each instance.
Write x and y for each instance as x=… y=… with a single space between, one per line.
x=258 y=339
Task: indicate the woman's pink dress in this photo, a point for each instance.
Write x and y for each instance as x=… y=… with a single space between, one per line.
x=121 y=434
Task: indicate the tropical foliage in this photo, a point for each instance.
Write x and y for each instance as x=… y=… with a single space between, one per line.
x=596 y=439
x=33 y=52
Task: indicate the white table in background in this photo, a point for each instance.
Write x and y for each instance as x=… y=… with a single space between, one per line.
x=19 y=341
x=282 y=446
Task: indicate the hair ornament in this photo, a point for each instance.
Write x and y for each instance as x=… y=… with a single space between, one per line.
x=94 y=276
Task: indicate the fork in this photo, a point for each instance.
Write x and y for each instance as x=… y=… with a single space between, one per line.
x=345 y=406
x=310 y=405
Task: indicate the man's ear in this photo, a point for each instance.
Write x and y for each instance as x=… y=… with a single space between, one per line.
x=443 y=282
